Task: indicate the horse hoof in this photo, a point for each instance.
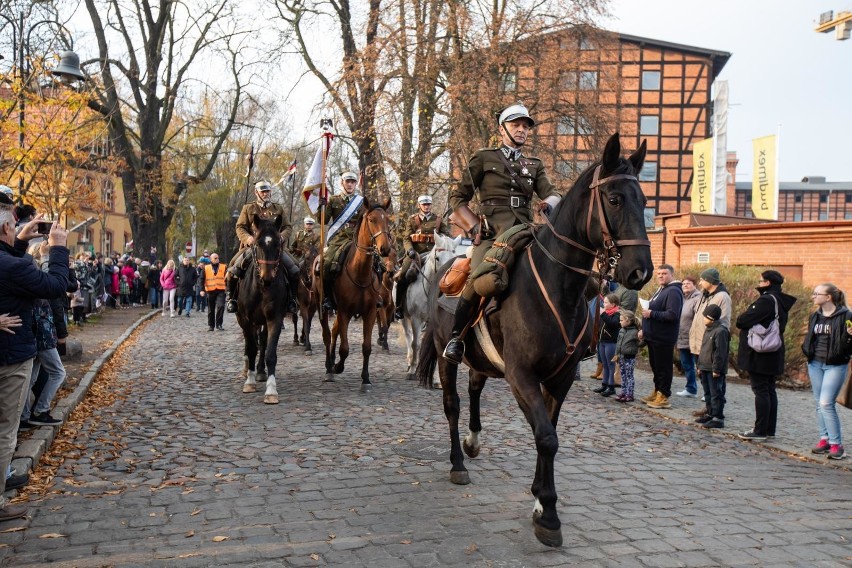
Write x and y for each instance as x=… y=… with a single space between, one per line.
x=296 y=342
x=308 y=352
x=459 y=477
x=261 y=377
x=546 y=536
x=329 y=378
x=249 y=388
x=366 y=388
x=270 y=399
x=436 y=384
x=469 y=450
x=410 y=377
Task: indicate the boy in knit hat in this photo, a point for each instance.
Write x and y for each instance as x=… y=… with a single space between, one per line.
x=713 y=366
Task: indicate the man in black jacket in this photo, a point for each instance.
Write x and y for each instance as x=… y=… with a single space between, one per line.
x=764 y=367
x=187 y=276
x=21 y=283
x=660 y=326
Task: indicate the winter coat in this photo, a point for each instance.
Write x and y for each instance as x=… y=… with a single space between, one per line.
x=21 y=284
x=152 y=281
x=610 y=326
x=762 y=311
x=45 y=330
x=714 y=349
x=186 y=279
x=840 y=342
x=167 y=279
x=627 y=345
x=687 y=313
x=665 y=305
x=628 y=299
x=115 y=281
x=129 y=271
x=719 y=297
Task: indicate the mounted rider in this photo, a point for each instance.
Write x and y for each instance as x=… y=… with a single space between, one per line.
x=505 y=181
x=305 y=239
x=342 y=214
x=419 y=239
x=263 y=208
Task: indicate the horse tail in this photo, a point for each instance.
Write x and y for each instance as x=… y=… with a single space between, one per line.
x=427 y=359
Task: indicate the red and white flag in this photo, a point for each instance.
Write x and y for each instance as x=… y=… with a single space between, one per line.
x=314 y=182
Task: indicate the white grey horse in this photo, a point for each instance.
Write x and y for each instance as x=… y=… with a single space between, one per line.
x=416 y=306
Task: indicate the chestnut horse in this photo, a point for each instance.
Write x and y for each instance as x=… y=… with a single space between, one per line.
x=542 y=328
x=357 y=291
x=307 y=300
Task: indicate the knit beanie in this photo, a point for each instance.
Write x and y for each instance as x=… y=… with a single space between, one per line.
x=713 y=312
x=711 y=276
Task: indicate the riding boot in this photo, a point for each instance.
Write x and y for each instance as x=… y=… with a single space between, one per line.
x=401 y=292
x=328 y=291
x=232 y=283
x=293 y=280
x=454 y=351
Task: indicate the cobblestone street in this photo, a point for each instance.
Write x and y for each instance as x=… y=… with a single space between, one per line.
x=186 y=470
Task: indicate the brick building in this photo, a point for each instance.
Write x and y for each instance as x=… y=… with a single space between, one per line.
x=812 y=199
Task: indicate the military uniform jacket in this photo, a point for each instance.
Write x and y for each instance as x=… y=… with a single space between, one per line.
x=499 y=189
x=336 y=205
x=304 y=241
x=419 y=232
x=245 y=224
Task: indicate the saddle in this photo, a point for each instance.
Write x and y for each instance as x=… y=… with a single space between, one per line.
x=491 y=277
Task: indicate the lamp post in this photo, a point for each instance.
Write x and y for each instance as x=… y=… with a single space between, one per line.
x=67 y=71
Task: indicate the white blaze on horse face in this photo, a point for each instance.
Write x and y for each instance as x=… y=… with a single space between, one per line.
x=268 y=241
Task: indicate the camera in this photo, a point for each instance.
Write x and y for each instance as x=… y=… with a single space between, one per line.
x=44 y=227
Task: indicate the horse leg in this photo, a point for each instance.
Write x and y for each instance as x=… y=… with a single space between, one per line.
x=545 y=519
x=471 y=443
x=261 y=354
x=273 y=333
x=329 y=347
x=295 y=318
x=410 y=346
x=366 y=350
x=249 y=353
x=341 y=330
x=449 y=374
x=307 y=320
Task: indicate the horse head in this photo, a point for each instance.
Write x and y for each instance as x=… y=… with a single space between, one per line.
x=605 y=211
x=375 y=225
x=267 y=248
x=444 y=249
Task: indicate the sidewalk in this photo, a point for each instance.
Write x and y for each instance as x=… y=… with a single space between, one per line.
x=797 y=428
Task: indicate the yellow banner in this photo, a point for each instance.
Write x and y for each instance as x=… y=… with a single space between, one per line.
x=702 y=176
x=764 y=178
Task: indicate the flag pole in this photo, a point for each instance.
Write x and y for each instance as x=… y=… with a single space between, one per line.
x=326 y=125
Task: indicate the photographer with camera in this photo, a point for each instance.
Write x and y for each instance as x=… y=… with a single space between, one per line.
x=21 y=283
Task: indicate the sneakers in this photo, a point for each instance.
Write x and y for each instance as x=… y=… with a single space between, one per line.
x=822 y=447
x=622 y=398
x=836 y=452
x=25 y=426
x=649 y=398
x=704 y=418
x=10 y=512
x=687 y=394
x=44 y=419
x=751 y=435
x=600 y=389
x=610 y=390
x=17 y=481
x=662 y=401
x=714 y=423
x=703 y=398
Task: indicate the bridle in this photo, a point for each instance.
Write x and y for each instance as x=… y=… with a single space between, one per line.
x=607 y=258
x=371 y=251
x=276 y=264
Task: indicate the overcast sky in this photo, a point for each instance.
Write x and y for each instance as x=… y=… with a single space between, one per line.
x=781 y=72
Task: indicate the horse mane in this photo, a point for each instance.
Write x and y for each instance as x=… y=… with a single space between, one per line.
x=582 y=183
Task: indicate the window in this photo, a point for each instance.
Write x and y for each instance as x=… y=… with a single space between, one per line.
x=823 y=198
x=797 y=216
x=586 y=44
x=748 y=198
x=510 y=82
x=109 y=200
x=588 y=80
x=797 y=198
x=702 y=258
x=107 y=243
x=568 y=125
x=649 y=172
x=847 y=216
x=650 y=80
x=649 y=125
x=565 y=126
x=564 y=168
x=849 y=198
x=649 y=217
x=823 y=216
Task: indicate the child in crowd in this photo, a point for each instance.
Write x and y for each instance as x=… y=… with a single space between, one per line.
x=78 y=306
x=626 y=348
x=606 y=344
x=713 y=366
x=124 y=290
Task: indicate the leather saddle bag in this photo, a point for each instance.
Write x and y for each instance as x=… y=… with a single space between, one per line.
x=454 y=279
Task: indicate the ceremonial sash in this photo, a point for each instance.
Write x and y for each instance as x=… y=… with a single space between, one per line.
x=347 y=213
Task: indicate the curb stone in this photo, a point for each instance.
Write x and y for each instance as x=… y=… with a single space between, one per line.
x=30 y=451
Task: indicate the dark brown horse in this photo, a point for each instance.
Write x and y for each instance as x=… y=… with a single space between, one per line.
x=264 y=296
x=307 y=300
x=601 y=218
x=357 y=291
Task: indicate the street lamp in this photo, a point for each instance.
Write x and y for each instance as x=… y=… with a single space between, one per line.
x=67 y=71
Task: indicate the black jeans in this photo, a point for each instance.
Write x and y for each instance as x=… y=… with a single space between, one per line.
x=216 y=305
x=715 y=403
x=765 y=403
x=661 y=357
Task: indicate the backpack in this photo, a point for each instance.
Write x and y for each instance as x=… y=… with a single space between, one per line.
x=766 y=339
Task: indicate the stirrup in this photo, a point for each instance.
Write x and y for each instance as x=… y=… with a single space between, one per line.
x=454 y=351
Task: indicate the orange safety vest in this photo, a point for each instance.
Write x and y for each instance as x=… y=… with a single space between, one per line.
x=214 y=281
